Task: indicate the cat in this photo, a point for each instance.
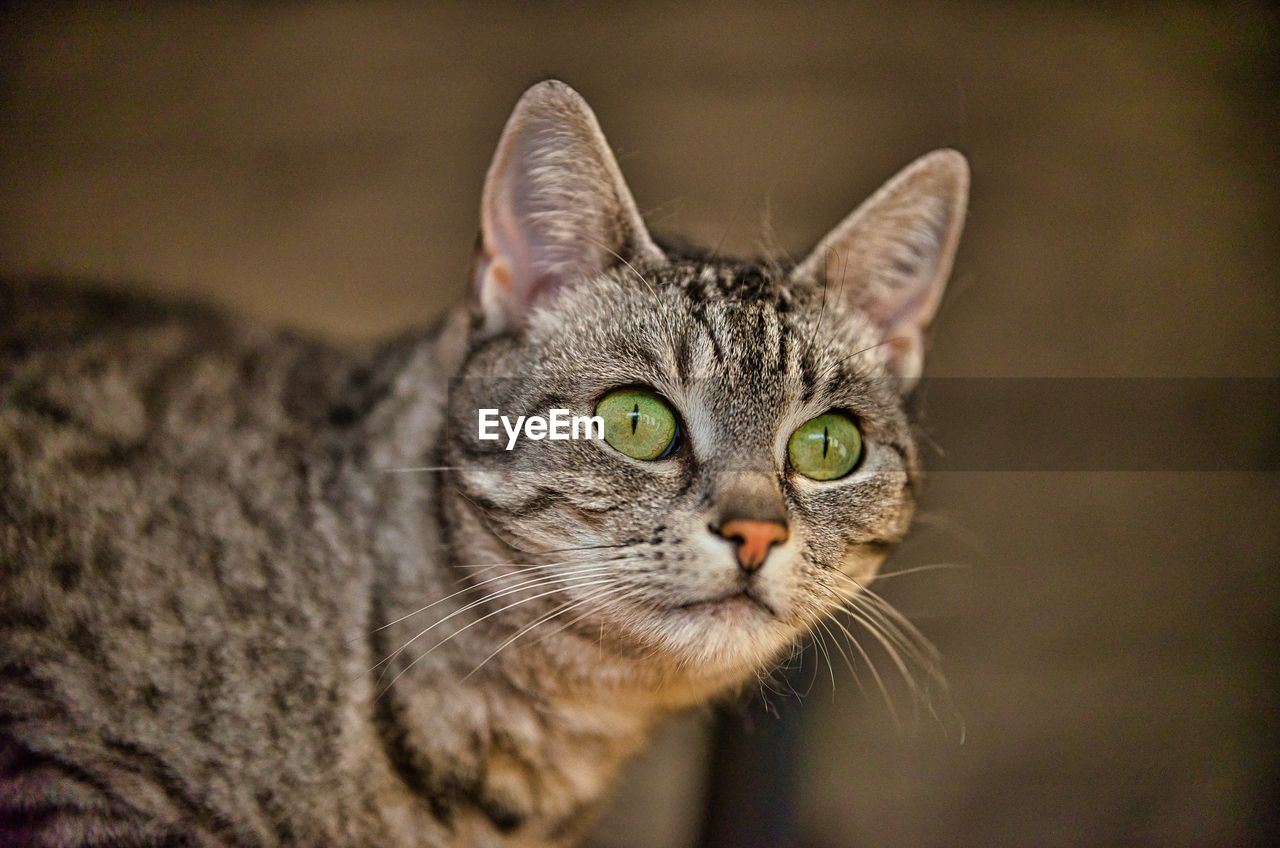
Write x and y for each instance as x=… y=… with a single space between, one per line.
x=259 y=589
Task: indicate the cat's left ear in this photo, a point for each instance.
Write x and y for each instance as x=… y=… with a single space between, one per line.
x=892 y=256
x=555 y=208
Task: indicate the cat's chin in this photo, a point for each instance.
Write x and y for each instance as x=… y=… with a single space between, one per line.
x=729 y=635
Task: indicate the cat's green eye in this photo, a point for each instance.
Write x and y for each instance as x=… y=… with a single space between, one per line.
x=638 y=423
x=825 y=448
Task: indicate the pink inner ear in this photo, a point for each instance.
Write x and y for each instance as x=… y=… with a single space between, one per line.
x=501 y=274
x=504 y=244
x=554 y=205
x=897 y=247
x=902 y=341
x=904 y=305
x=898 y=254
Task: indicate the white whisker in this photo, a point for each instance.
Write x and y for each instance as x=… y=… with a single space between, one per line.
x=525 y=568
x=875 y=673
x=468 y=626
x=534 y=582
x=822 y=646
x=937 y=566
x=558 y=611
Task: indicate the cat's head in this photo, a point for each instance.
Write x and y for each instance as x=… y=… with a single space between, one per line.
x=757 y=463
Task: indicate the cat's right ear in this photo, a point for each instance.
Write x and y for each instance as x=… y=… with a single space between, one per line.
x=555 y=208
x=892 y=256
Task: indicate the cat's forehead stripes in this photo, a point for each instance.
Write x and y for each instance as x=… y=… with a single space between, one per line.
x=755 y=322
x=731 y=281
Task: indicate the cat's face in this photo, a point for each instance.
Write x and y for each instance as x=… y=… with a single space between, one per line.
x=644 y=536
x=715 y=546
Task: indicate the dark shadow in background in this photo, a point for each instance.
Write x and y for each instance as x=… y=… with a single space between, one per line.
x=753 y=774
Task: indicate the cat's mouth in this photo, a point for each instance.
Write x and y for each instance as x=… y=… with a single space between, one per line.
x=738 y=598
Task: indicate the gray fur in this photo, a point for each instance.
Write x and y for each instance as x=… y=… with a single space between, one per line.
x=207 y=528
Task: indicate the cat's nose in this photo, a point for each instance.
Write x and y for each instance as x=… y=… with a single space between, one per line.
x=754 y=538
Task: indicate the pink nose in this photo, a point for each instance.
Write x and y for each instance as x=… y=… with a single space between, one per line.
x=754 y=538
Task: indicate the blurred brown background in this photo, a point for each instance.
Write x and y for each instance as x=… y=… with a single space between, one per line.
x=1110 y=641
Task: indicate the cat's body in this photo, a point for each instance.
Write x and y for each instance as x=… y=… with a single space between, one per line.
x=206 y=527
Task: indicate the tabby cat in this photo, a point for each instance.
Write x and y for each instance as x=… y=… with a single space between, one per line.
x=259 y=589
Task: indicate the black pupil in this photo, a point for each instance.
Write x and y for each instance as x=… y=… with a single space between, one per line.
x=826 y=443
x=634 y=415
